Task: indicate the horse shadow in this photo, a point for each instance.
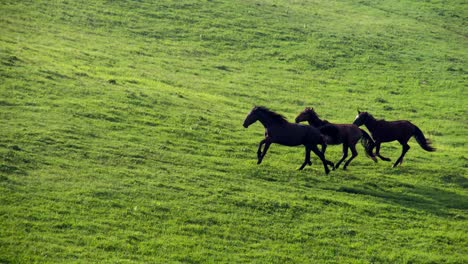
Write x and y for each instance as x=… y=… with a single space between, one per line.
x=435 y=200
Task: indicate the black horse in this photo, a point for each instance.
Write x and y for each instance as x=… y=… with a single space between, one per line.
x=386 y=131
x=336 y=134
x=279 y=130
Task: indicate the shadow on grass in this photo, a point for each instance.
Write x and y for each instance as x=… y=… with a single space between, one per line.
x=432 y=200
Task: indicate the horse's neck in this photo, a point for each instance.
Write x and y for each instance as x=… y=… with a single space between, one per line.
x=371 y=124
x=324 y=122
x=318 y=123
x=267 y=122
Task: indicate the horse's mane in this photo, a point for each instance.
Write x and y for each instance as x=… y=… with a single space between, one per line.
x=372 y=117
x=274 y=116
x=312 y=111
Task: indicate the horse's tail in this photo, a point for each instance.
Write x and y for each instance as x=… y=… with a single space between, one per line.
x=368 y=144
x=423 y=141
x=331 y=133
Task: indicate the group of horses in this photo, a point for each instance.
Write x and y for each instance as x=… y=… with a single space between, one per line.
x=321 y=132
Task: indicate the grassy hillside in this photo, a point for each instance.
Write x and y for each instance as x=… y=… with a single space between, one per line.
x=122 y=137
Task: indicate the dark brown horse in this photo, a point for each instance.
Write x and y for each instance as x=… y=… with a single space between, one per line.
x=279 y=130
x=386 y=131
x=346 y=134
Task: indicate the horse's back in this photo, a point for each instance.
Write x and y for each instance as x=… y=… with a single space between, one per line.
x=293 y=134
x=349 y=133
x=402 y=125
x=395 y=130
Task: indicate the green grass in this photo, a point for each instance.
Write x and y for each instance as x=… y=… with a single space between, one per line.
x=122 y=137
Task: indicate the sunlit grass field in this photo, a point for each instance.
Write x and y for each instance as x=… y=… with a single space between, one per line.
x=122 y=139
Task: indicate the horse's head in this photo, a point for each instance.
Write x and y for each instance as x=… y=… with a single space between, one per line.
x=361 y=118
x=307 y=115
x=265 y=116
x=252 y=117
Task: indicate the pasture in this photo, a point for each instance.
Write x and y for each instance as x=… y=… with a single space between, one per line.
x=122 y=138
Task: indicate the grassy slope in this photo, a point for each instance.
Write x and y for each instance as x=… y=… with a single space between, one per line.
x=122 y=137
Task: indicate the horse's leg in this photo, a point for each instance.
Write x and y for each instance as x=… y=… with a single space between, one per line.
x=377 y=152
x=345 y=154
x=324 y=148
x=265 y=149
x=406 y=147
x=307 y=158
x=329 y=162
x=322 y=158
x=353 y=155
x=259 y=151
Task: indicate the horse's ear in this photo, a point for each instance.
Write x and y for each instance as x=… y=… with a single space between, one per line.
x=358 y=111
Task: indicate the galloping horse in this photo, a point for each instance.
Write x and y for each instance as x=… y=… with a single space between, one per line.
x=386 y=131
x=336 y=134
x=279 y=130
